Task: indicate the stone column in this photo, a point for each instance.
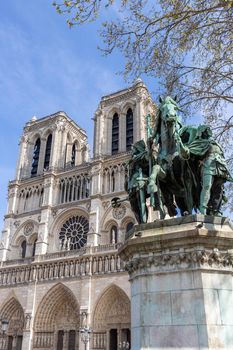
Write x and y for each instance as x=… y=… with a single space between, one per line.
x=5 y=241
x=181 y=283
x=22 y=151
x=108 y=140
x=40 y=168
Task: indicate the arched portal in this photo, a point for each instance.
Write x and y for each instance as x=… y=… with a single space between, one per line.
x=12 y=312
x=111 y=320
x=56 y=323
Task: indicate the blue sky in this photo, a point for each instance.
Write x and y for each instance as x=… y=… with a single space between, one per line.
x=46 y=67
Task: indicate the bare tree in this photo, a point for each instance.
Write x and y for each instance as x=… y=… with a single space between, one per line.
x=187 y=45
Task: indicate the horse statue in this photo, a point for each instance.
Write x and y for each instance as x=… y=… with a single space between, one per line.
x=171 y=172
x=180 y=168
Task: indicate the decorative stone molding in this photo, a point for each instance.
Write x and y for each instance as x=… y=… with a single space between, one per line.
x=119 y=213
x=213 y=259
x=192 y=242
x=105 y=204
x=54 y=212
x=28 y=229
x=17 y=223
x=88 y=206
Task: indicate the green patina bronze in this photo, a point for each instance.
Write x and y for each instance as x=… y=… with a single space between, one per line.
x=179 y=168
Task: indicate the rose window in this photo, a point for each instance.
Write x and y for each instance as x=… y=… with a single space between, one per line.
x=73 y=233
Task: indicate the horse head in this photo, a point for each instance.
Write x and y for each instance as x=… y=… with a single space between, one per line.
x=168 y=110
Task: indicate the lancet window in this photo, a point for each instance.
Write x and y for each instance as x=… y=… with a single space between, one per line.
x=114 y=178
x=48 y=151
x=34 y=248
x=129 y=226
x=30 y=198
x=74 y=188
x=129 y=129
x=23 y=248
x=73 y=155
x=35 y=160
x=115 y=133
x=113 y=234
x=73 y=233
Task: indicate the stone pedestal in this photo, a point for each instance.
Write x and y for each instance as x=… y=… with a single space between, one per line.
x=181 y=283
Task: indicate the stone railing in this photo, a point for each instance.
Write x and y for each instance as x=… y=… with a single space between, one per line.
x=43 y=340
x=70 y=267
x=63 y=254
x=74 y=253
x=22 y=261
x=105 y=248
x=99 y=340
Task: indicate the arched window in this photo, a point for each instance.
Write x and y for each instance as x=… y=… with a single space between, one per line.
x=129 y=129
x=23 y=248
x=115 y=133
x=73 y=155
x=113 y=235
x=34 y=248
x=129 y=226
x=113 y=181
x=48 y=151
x=35 y=160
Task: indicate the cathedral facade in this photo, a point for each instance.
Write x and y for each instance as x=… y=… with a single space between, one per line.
x=60 y=272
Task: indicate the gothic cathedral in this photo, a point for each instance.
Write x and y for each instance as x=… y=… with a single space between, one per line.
x=60 y=273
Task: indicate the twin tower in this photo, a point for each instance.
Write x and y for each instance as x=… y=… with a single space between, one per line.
x=60 y=267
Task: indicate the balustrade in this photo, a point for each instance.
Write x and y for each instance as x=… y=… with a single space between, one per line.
x=64 y=268
x=43 y=340
x=99 y=340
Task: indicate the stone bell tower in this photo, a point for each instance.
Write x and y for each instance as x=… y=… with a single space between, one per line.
x=48 y=146
x=120 y=119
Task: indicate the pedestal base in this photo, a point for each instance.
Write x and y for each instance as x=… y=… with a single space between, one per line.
x=181 y=283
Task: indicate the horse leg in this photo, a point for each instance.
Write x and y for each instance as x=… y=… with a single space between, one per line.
x=216 y=196
x=207 y=182
x=153 y=189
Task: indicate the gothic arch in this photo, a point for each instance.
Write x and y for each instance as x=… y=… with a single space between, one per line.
x=112 y=229
x=77 y=143
x=126 y=221
x=112 y=308
x=69 y=137
x=12 y=311
x=108 y=214
x=34 y=137
x=57 y=314
x=19 y=240
x=20 y=231
x=58 y=302
x=112 y=111
x=110 y=223
x=129 y=104
x=46 y=133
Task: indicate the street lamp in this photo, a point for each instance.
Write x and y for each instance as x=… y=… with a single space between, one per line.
x=85 y=335
x=4 y=324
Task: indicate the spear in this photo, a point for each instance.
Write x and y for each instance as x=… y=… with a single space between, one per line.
x=149 y=150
